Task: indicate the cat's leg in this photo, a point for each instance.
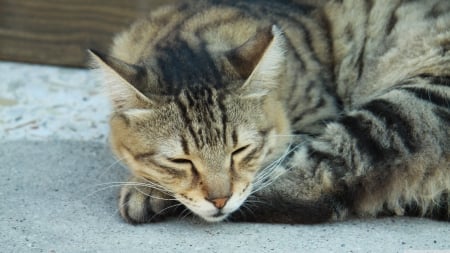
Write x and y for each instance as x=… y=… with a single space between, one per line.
x=390 y=154
x=140 y=202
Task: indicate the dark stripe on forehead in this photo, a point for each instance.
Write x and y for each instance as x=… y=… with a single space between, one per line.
x=182 y=66
x=220 y=101
x=209 y=106
x=234 y=137
x=184 y=145
x=187 y=121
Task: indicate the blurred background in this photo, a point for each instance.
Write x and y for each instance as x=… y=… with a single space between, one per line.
x=59 y=31
x=45 y=91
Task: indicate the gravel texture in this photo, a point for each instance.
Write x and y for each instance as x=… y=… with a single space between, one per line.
x=59 y=184
x=41 y=102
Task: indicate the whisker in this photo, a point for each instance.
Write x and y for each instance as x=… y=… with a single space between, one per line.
x=164 y=189
x=117 y=183
x=271 y=168
x=254 y=202
x=182 y=212
x=153 y=186
x=186 y=213
x=248 y=208
x=260 y=187
x=107 y=169
x=269 y=172
x=120 y=206
x=151 y=196
x=100 y=189
x=243 y=213
x=163 y=210
x=133 y=184
x=96 y=191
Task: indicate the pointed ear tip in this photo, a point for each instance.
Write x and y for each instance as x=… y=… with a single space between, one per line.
x=276 y=30
x=91 y=51
x=97 y=53
x=95 y=57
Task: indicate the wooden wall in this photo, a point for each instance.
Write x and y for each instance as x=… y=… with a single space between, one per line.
x=59 y=31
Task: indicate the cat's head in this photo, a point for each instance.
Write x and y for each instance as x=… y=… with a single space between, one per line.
x=206 y=144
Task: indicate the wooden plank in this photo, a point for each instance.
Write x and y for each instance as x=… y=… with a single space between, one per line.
x=59 y=31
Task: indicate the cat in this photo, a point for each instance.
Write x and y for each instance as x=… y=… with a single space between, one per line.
x=283 y=112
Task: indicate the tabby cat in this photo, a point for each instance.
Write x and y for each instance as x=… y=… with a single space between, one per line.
x=277 y=111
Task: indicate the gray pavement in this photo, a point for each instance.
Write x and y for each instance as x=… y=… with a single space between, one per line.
x=58 y=186
x=58 y=196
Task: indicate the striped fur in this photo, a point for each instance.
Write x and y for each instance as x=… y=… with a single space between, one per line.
x=300 y=112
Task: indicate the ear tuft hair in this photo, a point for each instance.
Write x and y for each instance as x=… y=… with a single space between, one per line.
x=260 y=61
x=118 y=77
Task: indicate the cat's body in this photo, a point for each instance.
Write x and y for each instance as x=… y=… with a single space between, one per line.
x=316 y=112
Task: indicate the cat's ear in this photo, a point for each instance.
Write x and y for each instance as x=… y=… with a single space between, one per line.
x=120 y=78
x=260 y=61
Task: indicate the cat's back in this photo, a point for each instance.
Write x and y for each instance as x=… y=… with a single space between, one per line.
x=215 y=25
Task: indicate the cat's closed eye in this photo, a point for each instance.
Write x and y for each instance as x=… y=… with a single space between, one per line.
x=240 y=150
x=181 y=161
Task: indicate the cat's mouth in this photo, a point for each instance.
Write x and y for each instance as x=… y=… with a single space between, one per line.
x=219 y=216
x=209 y=211
x=214 y=216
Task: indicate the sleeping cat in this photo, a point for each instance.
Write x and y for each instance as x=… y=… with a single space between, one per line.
x=277 y=111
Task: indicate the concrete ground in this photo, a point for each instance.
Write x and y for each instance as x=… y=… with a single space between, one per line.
x=59 y=182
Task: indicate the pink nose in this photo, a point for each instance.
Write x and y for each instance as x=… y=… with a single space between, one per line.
x=219 y=202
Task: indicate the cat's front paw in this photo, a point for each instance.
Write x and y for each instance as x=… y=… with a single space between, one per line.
x=141 y=204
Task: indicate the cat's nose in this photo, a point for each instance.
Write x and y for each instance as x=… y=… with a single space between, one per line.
x=219 y=202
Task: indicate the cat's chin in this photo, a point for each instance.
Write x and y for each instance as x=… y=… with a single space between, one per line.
x=214 y=218
x=208 y=213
